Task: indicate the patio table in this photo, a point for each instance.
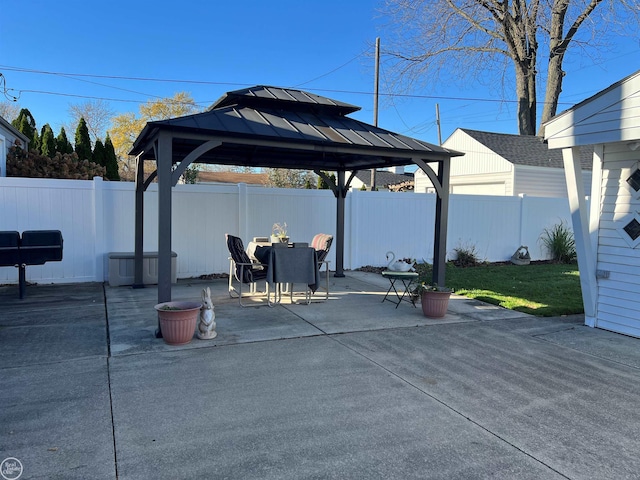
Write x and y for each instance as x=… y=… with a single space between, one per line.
x=406 y=278
x=290 y=265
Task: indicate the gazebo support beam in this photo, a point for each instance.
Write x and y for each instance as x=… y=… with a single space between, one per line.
x=164 y=152
x=139 y=227
x=442 y=217
x=340 y=192
x=441 y=185
x=340 y=195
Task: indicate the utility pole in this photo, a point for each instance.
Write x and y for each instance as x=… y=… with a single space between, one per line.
x=438 y=124
x=375 y=104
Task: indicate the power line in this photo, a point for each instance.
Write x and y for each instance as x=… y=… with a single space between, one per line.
x=117 y=77
x=334 y=70
x=207 y=82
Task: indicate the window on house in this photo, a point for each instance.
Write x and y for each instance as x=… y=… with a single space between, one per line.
x=629 y=229
x=634 y=180
x=632 y=229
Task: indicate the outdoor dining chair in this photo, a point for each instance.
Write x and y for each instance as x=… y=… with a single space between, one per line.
x=322 y=244
x=245 y=272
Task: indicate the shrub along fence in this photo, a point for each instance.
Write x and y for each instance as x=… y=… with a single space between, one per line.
x=97 y=217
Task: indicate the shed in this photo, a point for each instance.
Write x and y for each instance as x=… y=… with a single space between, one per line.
x=265 y=126
x=505 y=165
x=8 y=136
x=607 y=232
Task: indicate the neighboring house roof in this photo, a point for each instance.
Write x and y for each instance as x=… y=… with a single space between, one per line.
x=384 y=178
x=17 y=133
x=527 y=150
x=234 y=177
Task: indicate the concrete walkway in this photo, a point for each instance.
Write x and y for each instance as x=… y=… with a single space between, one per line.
x=350 y=388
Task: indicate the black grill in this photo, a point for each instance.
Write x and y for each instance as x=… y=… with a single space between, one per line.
x=36 y=247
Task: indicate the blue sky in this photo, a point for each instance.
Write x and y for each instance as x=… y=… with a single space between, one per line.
x=210 y=47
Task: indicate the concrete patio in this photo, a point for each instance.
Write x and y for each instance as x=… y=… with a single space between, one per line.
x=350 y=388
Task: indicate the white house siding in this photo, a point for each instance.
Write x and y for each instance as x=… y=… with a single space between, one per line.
x=3 y=155
x=487 y=184
x=485 y=160
x=7 y=139
x=487 y=174
x=549 y=182
x=618 y=308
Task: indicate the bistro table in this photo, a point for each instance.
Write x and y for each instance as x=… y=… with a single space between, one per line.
x=288 y=266
x=406 y=278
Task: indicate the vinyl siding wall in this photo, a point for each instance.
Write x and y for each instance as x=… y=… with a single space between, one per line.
x=543 y=182
x=618 y=304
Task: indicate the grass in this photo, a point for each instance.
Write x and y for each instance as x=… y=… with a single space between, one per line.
x=541 y=289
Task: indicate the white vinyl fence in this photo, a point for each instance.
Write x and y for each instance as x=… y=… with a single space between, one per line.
x=97 y=217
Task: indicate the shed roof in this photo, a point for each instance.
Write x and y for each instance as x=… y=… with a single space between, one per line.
x=611 y=115
x=528 y=150
x=285 y=128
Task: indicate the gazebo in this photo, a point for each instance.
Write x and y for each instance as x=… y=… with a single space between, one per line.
x=276 y=127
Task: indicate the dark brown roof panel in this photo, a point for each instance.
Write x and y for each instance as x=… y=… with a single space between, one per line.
x=282 y=125
x=290 y=117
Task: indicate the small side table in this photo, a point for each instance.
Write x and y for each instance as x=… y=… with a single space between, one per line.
x=406 y=278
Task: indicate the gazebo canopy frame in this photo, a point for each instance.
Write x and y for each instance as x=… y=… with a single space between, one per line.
x=279 y=128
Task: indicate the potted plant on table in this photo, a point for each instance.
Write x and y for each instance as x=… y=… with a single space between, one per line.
x=434 y=299
x=178 y=321
x=279 y=233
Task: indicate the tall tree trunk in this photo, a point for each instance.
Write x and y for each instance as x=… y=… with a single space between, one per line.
x=557 y=47
x=558 y=43
x=526 y=92
x=519 y=27
x=555 y=75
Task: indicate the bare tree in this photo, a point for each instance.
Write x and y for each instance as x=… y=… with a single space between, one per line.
x=481 y=39
x=97 y=115
x=9 y=111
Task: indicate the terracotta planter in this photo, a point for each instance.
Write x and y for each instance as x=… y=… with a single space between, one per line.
x=435 y=304
x=178 y=321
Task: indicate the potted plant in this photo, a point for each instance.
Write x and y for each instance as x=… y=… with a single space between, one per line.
x=279 y=233
x=178 y=321
x=434 y=299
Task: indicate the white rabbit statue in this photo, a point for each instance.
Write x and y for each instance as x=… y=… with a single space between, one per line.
x=207 y=323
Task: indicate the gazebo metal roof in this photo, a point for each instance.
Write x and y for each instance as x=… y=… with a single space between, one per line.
x=285 y=128
x=276 y=127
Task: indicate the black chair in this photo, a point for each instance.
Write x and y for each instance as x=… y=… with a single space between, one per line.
x=245 y=272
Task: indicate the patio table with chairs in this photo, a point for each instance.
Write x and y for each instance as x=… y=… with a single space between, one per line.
x=279 y=265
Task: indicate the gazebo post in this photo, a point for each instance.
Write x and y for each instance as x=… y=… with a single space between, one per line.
x=442 y=216
x=139 y=227
x=340 y=196
x=164 y=155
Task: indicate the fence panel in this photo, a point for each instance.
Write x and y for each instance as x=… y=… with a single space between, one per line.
x=488 y=224
x=98 y=217
x=388 y=221
x=46 y=204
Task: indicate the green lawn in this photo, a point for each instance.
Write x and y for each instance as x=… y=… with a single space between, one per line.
x=538 y=289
